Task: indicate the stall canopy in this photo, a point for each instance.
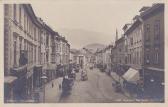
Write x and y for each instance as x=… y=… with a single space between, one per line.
x=132 y=75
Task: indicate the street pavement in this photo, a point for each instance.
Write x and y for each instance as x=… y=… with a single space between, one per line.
x=97 y=89
x=53 y=93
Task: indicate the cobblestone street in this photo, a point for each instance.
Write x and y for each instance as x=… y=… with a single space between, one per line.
x=97 y=89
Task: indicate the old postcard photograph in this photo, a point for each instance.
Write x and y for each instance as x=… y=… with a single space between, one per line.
x=84 y=51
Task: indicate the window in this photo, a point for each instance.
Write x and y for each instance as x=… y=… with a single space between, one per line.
x=30 y=28
x=20 y=15
x=20 y=44
x=131 y=41
x=27 y=25
x=157 y=29
x=25 y=45
x=137 y=57
x=14 y=12
x=47 y=40
x=157 y=57
x=35 y=54
x=35 y=38
x=24 y=22
x=130 y=59
x=14 y=48
x=140 y=60
x=147 y=33
x=39 y=35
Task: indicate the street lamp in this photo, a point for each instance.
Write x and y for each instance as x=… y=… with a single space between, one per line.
x=44 y=77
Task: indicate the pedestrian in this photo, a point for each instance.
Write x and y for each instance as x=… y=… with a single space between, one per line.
x=59 y=86
x=52 y=84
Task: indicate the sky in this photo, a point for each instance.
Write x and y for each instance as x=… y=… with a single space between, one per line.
x=98 y=16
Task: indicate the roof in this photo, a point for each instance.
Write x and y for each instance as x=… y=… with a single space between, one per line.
x=120 y=40
x=36 y=20
x=32 y=15
x=75 y=51
x=145 y=11
x=153 y=9
x=133 y=26
x=126 y=26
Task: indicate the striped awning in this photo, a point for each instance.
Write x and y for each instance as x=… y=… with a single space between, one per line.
x=9 y=79
x=132 y=75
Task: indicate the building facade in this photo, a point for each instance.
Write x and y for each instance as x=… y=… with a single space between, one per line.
x=153 y=43
x=28 y=52
x=107 y=58
x=134 y=44
x=145 y=47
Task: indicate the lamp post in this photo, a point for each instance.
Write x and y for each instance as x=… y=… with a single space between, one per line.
x=44 y=77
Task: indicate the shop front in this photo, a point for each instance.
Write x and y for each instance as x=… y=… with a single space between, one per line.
x=130 y=79
x=19 y=88
x=9 y=82
x=154 y=83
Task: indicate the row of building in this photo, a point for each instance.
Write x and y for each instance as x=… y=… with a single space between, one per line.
x=103 y=58
x=141 y=47
x=82 y=57
x=32 y=49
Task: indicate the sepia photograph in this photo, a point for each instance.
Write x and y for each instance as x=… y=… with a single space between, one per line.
x=84 y=51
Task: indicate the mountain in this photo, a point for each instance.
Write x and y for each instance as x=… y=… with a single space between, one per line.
x=78 y=38
x=94 y=46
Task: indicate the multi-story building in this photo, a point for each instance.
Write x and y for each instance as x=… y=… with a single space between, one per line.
x=153 y=47
x=133 y=44
x=120 y=46
x=107 y=58
x=99 y=57
x=118 y=56
x=22 y=38
x=28 y=51
x=145 y=46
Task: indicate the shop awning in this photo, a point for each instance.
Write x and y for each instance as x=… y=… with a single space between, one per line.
x=132 y=75
x=155 y=69
x=20 y=69
x=9 y=79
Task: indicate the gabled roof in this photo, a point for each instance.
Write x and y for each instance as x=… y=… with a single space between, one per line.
x=132 y=27
x=144 y=8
